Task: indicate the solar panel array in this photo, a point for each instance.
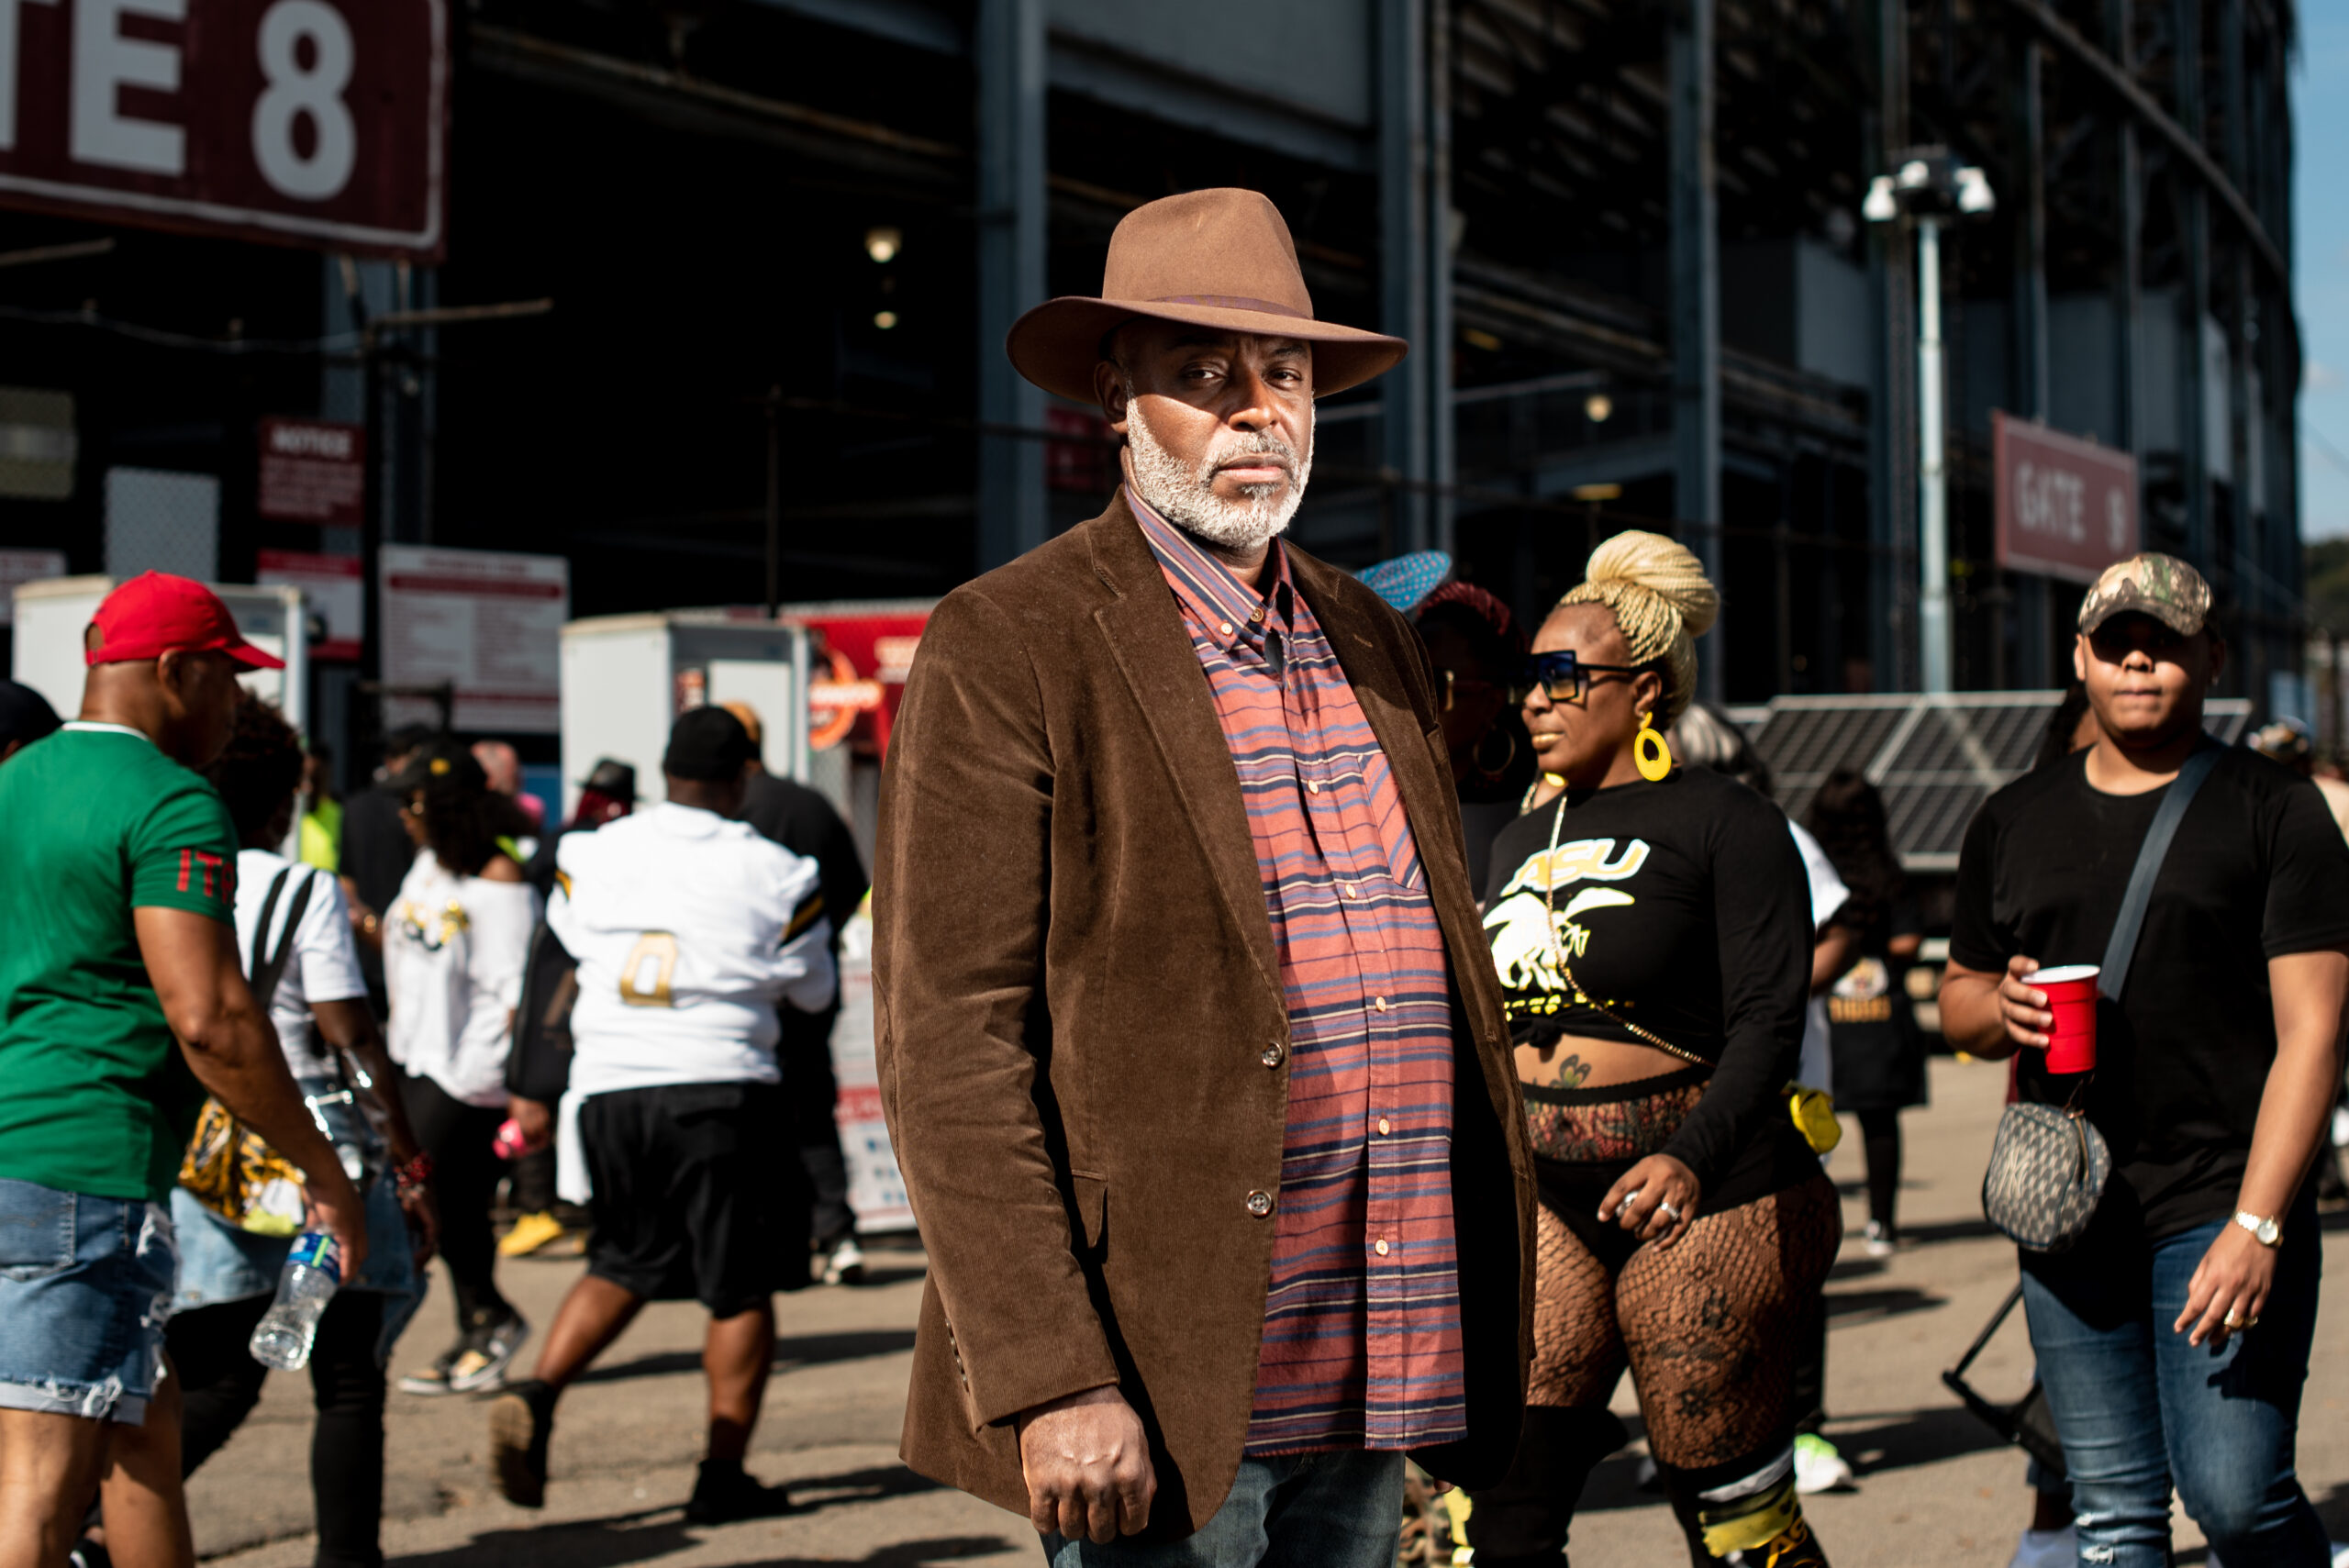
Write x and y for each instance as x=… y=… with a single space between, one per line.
x=1936 y=759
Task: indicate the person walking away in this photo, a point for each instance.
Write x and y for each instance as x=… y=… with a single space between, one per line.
x=804 y=822
x=689 y=929
x=227 y=1277
x=1685 y=1226
x=2173 y=1339
x=1478 y=652
x=373 y=854
x=1879 y=1052
x=25 y=718
x=1160 y=808
x=455 y=943
x=122 y=869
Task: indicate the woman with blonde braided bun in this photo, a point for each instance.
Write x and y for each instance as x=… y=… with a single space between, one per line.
x=1652 y=927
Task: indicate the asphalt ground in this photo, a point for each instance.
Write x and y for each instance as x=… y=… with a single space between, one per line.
x=1935 y=1486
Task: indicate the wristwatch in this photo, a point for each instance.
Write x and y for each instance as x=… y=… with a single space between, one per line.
x=2267 y=1232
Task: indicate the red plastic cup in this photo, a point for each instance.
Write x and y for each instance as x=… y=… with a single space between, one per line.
x=510 y=1142
x=2071 y=997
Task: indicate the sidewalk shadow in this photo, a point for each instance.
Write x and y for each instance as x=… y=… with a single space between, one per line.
x=612 y=1541
x=868 y=1485
x=1901 y=1440
x=790 y=1352
x=908 y=1554
x=1847 y=1307
x=1946 y=1230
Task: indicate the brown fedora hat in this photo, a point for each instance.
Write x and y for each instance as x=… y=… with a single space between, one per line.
x=1221 y=259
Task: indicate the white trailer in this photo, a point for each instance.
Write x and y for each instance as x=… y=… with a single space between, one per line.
x=52 y=614
x=627 y=678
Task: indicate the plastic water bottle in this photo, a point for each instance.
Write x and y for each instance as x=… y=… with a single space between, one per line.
x=313 y=1270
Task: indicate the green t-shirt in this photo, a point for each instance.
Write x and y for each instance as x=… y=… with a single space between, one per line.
x=95 y=1096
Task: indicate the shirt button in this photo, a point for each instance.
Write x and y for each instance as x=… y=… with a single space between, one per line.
x=1350 y=891
x=1379 y=1003
x=1383 y=1127
x=1313 y=787
x=1260 y=1203
x=1273 y=1053
x=1380 y=1248
x=1226 y=628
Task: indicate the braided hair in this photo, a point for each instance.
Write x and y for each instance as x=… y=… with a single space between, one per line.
x=1663 y=601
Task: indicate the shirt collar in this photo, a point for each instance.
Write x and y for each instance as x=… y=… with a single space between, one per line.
x=91 y=727
x=1228 y=611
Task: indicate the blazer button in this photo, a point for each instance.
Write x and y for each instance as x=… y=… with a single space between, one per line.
x=1260 y=1203
x=1273 y=1054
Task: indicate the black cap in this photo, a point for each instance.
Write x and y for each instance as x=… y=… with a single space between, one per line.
x=442 y=763
x=25 y=715
x=709 y=744
x=614 y=781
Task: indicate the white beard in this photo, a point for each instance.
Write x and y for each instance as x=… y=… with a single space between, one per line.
x=1185 y=496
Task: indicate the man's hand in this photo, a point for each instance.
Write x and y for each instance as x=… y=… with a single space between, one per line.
x=336 y=1208
x=1086 y=1461
x=533 y=1119
x=2024 y=1008
x=2228 y=1287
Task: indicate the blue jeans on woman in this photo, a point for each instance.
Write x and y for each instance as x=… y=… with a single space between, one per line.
x=2138 y=1408
x=1300 y=1510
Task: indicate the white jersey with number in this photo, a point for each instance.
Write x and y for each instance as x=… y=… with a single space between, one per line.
x=688 y=928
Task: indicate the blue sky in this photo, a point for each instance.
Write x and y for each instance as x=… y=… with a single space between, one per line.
x=2320 y=211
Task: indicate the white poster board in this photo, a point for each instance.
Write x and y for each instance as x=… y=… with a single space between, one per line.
x=876 y=1189
x=489 y=623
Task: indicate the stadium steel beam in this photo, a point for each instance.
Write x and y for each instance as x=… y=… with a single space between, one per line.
x=1010 y=47
x=1696 y=301
x=1403 y=251
x=1443 y=464
x=1892 y=511
x=2250 y=541
x=2028 y=192
x=2194 y=351
x=2130 y=188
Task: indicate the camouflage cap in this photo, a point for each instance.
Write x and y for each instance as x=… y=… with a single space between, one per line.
x=2162 y=586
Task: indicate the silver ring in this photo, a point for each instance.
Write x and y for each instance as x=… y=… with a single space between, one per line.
x=1664 y=1207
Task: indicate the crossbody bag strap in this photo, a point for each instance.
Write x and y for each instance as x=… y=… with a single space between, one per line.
x=268 y=970
x=260 y=959
x=2150 y=855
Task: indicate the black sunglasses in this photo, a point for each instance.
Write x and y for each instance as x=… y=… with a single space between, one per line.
x=1566 y=676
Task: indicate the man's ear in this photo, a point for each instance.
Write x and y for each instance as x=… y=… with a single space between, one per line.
x=1109 y=387
x=2080 y=658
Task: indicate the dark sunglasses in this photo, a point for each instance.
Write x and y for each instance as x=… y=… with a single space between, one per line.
x=1566 y=676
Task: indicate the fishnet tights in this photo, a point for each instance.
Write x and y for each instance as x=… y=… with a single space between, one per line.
x=1708 y=1325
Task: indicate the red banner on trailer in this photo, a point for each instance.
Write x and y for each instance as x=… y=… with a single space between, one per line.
x=319 y=122
x=2065 y=508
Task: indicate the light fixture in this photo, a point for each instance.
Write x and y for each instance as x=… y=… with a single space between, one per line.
x=1881 y=205
x=1599 y=492
x=882 y=244
x=884 y=319
x=1599 y=407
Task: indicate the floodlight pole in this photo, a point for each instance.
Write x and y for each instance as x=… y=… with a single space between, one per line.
x=1932 y=473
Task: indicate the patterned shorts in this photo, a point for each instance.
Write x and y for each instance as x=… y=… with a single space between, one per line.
x=1619 y=1124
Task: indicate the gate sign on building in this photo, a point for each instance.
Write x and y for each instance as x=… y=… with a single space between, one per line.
x=2065 y=508
x=321 y=123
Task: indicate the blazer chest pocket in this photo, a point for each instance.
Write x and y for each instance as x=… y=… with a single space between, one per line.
x=1091 y=1196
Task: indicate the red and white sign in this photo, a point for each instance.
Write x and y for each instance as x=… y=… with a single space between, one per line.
x=2065 y=508
x=336 y=587
x=489 y=623
x=864 y=655
x=321 y=123
x=312 y=471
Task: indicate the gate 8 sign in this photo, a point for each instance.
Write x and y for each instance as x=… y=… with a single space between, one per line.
x=2065 y=508
x=302 y=122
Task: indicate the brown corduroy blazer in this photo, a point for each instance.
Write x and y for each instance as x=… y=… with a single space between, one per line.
x=1083 y=1038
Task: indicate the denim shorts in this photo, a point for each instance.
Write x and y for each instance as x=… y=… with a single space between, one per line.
x=85 y=1286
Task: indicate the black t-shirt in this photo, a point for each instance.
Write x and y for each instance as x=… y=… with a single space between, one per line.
x=1871 y=1022
x=2257 y=870
x=1681 y=905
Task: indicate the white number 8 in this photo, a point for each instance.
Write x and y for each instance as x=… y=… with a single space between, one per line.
x=293 y=93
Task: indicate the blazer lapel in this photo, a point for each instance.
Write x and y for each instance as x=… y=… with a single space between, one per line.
x=1145 y=634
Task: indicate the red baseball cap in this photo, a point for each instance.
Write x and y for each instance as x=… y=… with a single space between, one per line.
x=154 y=614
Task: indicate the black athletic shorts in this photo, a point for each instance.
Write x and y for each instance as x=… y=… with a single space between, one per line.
x=699 y=1194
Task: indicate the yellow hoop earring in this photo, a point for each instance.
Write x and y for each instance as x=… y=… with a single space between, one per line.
x=1650 y=751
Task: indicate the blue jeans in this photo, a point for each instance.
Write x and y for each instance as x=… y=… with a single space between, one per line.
x=1300 y=1510
x=2138 y=1407
x=85 y=1286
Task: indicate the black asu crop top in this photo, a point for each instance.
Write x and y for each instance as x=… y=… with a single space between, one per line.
x=1683 y=906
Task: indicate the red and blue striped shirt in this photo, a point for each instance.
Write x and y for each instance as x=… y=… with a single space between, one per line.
x=1362 y=1345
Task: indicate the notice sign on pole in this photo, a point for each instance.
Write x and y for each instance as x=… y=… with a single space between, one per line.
x=321 y=123
x=336 y=587
x=488 y=623
x=2065 y=508
x=312 y=471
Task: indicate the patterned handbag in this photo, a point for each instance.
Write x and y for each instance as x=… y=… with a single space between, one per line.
x=2048 y=1164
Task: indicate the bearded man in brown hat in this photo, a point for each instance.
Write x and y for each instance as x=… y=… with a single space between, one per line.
x=1192 y=1051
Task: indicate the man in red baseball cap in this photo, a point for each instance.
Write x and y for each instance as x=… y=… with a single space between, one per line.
x=121 y=872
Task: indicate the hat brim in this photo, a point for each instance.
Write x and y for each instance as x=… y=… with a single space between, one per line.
x=252 y=658
x=2183 y=622
x=1057 y=344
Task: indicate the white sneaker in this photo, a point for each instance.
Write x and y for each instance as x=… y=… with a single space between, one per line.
x=1818 y=1467
x=1880 y=1243
x=846 y=1266
x=2047 y=1549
